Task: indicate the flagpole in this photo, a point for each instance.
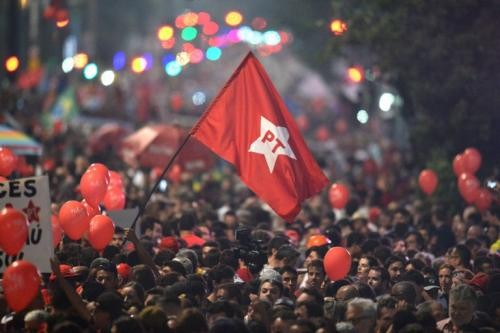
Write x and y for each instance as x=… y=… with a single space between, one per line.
x=150 y=194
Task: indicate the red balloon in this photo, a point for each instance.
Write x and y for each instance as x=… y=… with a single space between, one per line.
x=428 y=181
x=458 y=165
x=101 y=231
x=8 y=161
x=101 y=168
x=472 y=160
x=56 y=231
x=93 y=186
x=114 y=199
x=74 y=219
x=338 y=195
x=483 y=200
x=115 y=179
x=337 y=263
x=13 y=230
x=468 y=186
x=91 y=211
x=21 y=283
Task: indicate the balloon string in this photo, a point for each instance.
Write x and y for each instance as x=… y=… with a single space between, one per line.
x=142 y=207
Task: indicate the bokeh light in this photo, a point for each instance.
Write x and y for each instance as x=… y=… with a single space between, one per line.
x=12 y=64
x=210 y=28
x=138 y=65
x=199 y=98
x=189 y=33
x=203 y=18
x=362 y=116
x=90 y=71
x=259 y=23
x=272 y=37
x=338 y=27
x=355 y=74
x=190 y=19
x=182 y=58
x=386 y=101
x=196 y=56
x=168 y=44
x=173 y=68
x=167 y=58
x=107 y=78
x=165 y=32
x=149 y=60
x=213 y=53
x=68 y=64
x=119 y=60
x=233 y=18
x=81 y=59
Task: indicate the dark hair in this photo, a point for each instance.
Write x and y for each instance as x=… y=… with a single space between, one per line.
x=314 y=309
x=314 y=293
x=144 y=276
x=355 y=238
x=191 y=320
x=275 y=243
x=128 y=325
x=187 y=222
x=418 y=237
x=163 y=256
x=228 y=257
x=138 y=288
x=481 y=260
x=287 y=269
x=320 y=250
x=220 y=272
x=148 y=222
x=365 y=291
x=392 y=259
x=464 y=254
x=317 y=263
x=384 y=274
x=413 y=276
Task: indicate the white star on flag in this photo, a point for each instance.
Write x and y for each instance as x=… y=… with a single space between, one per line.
x=272 y=142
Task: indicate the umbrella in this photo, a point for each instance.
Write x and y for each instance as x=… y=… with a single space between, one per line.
x=18 y=142
x=108 y=135
x=153 y=146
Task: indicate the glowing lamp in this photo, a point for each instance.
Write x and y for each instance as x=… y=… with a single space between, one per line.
x=12 y=64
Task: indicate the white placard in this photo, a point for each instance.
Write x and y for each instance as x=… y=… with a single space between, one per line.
x=32 y=197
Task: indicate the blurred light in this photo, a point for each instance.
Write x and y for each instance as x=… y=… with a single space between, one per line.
x=338 y=27
x=182 y=58
x=138 y=65
x=385 y=102
x=256 y=38
x=188 y=47
x=68 y=64
x=81 y=59
x=199 y=98
x=167 y=58
x=119 y=60
x=179 y=21
x=272 y=37
x=62 y=24
x=362 y=116
x=23 y=3
x=189 y=33
x=165 y=32
x=90 y=71
x=213 y=53
x=355 y=74
x=173 y=68
x=196 y=56
x=285 y=37
x=232 y=36
x=168 y=44
x=203 y=18
x=259 y=23
x=190 y=19
x=107 y=78
x=149 y=60
x=210 y=28
x=245 y=33
x=233 y=18
x=12 y=64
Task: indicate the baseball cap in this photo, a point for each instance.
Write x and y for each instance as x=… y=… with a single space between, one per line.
x=186 y=263
x=67 y=272
x=104 y=264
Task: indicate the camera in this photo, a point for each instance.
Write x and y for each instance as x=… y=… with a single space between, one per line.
x=251 y=251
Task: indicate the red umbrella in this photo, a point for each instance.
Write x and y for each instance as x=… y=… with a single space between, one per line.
x=108 y=135
x=153 y=146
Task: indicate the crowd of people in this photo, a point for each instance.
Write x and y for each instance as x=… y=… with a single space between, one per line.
x=209 y=256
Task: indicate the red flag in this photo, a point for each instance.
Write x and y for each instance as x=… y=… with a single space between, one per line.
x=249 y=126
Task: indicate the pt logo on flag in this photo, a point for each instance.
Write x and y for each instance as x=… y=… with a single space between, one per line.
x=272 y=142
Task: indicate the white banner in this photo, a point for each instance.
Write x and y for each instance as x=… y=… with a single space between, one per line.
x=32 y=197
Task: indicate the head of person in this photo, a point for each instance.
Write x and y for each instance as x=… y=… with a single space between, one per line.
x=316 y=274
x=289 y=276
x=386 y=308
x=378 y=279
x=286 y=255
x=463 y=301
x=118 y=237
x=395 y=266
x=36 y=321
x=365 y=263
x=445 y=277
x=108 y=307
x=414 y=241
x=346 y=293
x=270 y=290
x=105 y=273
x=315 y=252
x=459 y=256
x=143 y=275
x=151 y=228
x=406 y=295
x=362 y=313
x=133 y=295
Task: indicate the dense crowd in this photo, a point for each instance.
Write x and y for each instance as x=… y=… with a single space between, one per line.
x=209 y=256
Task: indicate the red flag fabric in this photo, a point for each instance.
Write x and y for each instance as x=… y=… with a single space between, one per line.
x=249 y=126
